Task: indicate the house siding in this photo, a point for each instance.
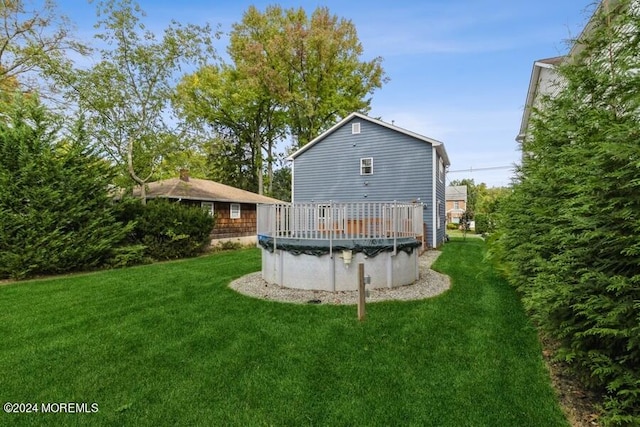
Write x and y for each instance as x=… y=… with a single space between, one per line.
x=226 y=227
x=402 y=170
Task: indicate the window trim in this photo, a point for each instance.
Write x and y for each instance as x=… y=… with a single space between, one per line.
x=441 y=170
x=237 y=214
x=363 y=166
x=355 y=128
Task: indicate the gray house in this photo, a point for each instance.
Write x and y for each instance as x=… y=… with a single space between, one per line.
x=365 y=159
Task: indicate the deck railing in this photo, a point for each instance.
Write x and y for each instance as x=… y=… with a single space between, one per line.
x=341 y=220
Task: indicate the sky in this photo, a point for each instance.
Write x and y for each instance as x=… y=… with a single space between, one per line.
x=459 y=70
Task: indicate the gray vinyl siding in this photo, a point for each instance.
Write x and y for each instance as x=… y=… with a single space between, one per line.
x=402 y=169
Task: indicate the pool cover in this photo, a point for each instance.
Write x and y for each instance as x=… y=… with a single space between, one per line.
x=317 y=247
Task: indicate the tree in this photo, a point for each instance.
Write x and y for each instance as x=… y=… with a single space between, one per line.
x=34 y=44
x=289 y=75
x=473 y=193
x=311 y=65
x=487 y=208
x=569 y=233
x=282 y=183
x=127 y=95
x=56 y=214
x=239 y=112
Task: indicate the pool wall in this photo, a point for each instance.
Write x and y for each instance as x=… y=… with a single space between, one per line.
x=328 y=272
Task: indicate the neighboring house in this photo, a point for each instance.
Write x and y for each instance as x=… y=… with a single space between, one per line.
x=235 y=209
x=365 y=159
x=456 y=197
x=545 y=79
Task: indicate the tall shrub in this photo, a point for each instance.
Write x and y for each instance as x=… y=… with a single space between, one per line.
x=168 y=230
x=55 y=211
x=569 y=235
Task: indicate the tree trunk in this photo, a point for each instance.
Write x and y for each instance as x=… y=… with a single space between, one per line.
x=134 y=176
x=270 y=166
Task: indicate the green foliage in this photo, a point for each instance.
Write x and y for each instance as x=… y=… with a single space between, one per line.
x=35 y=42
x=310 y=64
x=167 y=230
x=569 y=234
x=282 y=184
x=484 y=224
x=126 y=96
x=55 y=211
x=243 y=115
x=227 y=245
x=291 y=75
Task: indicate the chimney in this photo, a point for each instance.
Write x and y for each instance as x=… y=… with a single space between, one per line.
x=184 y=175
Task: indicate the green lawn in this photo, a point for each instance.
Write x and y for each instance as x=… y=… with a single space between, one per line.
x=171 y=344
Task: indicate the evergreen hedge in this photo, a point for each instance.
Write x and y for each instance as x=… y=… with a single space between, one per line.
x=569 y=235
x=56 y=214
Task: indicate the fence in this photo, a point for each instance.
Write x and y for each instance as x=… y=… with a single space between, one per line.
x=341 y=220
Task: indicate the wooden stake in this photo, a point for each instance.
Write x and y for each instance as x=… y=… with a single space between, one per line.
x=361 y=292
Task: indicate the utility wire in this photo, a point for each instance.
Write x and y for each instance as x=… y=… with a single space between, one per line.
x=482 y=169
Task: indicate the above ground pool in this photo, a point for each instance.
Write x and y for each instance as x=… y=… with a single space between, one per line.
x=318 y=246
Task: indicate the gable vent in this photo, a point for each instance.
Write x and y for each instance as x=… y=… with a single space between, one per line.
x=355 y=128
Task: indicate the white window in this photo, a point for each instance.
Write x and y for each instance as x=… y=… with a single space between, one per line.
x=355 y=128
x=438 y=216
x=366 y=166
x=208 y=207
x=441 y=170
x=235 y=211
x=456 y=205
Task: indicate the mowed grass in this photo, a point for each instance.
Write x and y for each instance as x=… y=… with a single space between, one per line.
x=171 y=344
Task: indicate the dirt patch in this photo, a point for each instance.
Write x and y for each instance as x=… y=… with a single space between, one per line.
x=579 y=404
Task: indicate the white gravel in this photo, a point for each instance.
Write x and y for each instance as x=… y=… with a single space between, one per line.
x=429 y=284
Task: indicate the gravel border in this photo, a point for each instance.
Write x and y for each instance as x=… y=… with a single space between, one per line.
x=429 y=284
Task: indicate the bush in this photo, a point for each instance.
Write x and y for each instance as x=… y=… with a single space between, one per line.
x=452 y=226
x=228 y=245
x=167 y=230
x=484 y=223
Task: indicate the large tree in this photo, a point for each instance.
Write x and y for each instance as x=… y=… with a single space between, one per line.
x=289 y=75
x=311 y=64
x=244 y=118
x=126 y=96
x=35 y=41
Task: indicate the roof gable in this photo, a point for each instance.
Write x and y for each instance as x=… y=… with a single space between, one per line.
x=437 y=144
x=456 y=192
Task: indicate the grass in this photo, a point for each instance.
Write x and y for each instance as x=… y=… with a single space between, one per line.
x=460 y=233
x=171 y=344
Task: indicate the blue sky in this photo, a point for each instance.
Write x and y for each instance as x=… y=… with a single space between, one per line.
x=459 y=69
